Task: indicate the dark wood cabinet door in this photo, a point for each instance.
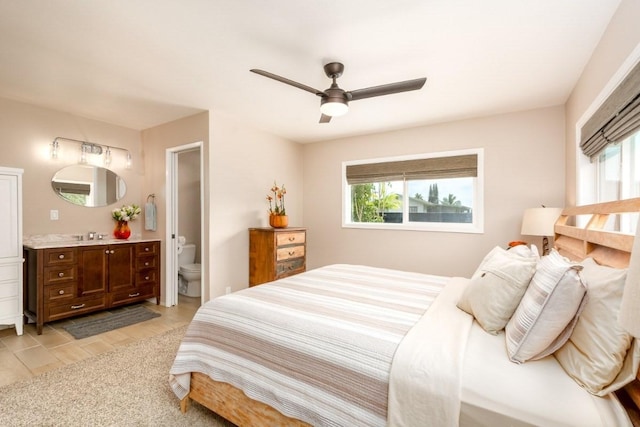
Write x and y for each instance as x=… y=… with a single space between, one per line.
x=92 y=271
x=121 y=267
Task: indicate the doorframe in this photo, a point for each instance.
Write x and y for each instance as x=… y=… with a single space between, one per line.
x=171 y=232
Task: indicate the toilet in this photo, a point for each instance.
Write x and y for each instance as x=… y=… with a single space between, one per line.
x=189 y=271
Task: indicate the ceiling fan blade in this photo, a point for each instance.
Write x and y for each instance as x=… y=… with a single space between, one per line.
x=324 y=119
x=287 y=81
x=387 y=89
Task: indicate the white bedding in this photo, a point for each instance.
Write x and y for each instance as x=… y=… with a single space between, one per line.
x=467 y=372
x=497 y=392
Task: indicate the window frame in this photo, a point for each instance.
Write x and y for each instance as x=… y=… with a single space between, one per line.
x=476 y=226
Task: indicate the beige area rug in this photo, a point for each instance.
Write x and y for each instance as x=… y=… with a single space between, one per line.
x=125 y=387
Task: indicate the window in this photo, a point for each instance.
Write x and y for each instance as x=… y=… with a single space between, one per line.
x=610 y=139
x=432 y=192
x=618 y=178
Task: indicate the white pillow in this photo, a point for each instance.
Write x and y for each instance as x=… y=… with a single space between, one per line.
x=548 y=311
x=497 y=287
x=600 y=355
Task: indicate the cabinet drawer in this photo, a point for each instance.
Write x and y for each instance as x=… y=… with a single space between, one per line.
x=294 y=238
x=288 y=268
x=72 y=308
x=141 y=293
x=8 y=289
x=9 y=272
x=146 y=276
x=147 y=248
x=146 y=261
x=59 y=256
x=9 y=307
x=290 y=252
x=60 y=274
x=60 y=292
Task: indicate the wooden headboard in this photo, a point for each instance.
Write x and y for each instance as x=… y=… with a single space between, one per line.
x=606 y=247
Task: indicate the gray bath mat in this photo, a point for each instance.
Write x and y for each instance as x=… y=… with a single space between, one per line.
x=108 y=321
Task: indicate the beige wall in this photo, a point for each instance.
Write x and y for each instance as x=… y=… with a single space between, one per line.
x=27 y=132
x=615 y=54
x=155 y=142
x=524 y=167
x=244 y=162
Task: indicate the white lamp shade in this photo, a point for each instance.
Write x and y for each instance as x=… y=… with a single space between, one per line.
x=334 y=109
x=539 y=221
x=629 y=317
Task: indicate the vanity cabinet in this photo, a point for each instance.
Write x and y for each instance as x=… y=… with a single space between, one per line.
x=275 y=253
x=11 y=248
x=64 y=282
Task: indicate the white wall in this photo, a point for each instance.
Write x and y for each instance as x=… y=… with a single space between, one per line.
x=524 y=167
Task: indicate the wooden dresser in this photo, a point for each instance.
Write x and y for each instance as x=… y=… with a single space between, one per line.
x=275 y=253
x=67 y=281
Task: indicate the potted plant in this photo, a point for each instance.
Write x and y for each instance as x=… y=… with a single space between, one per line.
x=277 y=213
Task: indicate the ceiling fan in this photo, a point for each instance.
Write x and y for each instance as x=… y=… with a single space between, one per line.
x=334 y=101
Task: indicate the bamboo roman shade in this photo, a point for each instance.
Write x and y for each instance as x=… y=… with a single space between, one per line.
x=616 y=119
x=431 y=168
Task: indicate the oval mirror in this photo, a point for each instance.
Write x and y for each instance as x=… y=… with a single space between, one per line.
x=88 y=185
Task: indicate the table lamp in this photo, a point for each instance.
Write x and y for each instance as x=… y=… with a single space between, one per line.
x=540 y=222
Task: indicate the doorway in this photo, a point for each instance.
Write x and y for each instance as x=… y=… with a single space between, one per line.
x=185 y=214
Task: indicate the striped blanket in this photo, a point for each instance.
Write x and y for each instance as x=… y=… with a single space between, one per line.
x=317 y=346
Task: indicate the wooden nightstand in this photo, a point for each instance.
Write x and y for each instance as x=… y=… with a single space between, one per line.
x=275 y=253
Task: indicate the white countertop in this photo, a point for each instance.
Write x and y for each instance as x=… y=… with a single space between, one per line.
x=46 y=241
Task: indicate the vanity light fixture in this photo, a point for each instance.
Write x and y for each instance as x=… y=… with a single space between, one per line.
x=107 y=157
x=87 y=147
x=54 y=149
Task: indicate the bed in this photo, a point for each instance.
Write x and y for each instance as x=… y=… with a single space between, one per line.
x=358 y=345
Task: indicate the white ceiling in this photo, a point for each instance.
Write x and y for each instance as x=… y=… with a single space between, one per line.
x=140 y=63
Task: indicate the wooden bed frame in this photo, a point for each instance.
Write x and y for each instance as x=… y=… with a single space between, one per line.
x=607 y=248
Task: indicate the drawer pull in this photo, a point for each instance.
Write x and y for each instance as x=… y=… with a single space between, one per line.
x=146 y=249
x=146 y=264
x=61 y=292
x=112 y=251
x=291 y=253
x=61 y=274
x=291 y=239
x=107 y=251
x=134 y=295
x=61 y=256
x=75 y=307
x=146 y=277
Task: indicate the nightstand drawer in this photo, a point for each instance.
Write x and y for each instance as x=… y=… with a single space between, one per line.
x=290 y=252
x=294 y=238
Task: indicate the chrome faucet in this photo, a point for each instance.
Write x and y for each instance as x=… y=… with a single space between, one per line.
x=92 y=235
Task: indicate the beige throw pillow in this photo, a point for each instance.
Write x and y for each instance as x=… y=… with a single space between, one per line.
x=497 y=287
x=600 y=355
x=543 y=321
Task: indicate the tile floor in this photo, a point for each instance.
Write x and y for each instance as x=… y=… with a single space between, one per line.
x=31 y=354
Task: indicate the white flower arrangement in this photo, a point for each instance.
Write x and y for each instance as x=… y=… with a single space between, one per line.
x=126 y=213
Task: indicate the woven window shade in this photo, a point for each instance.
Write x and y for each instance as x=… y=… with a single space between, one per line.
x=432 y=168
x=616 y=119
x=72 y=188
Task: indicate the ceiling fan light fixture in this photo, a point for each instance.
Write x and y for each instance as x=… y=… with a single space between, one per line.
x=334 y=107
